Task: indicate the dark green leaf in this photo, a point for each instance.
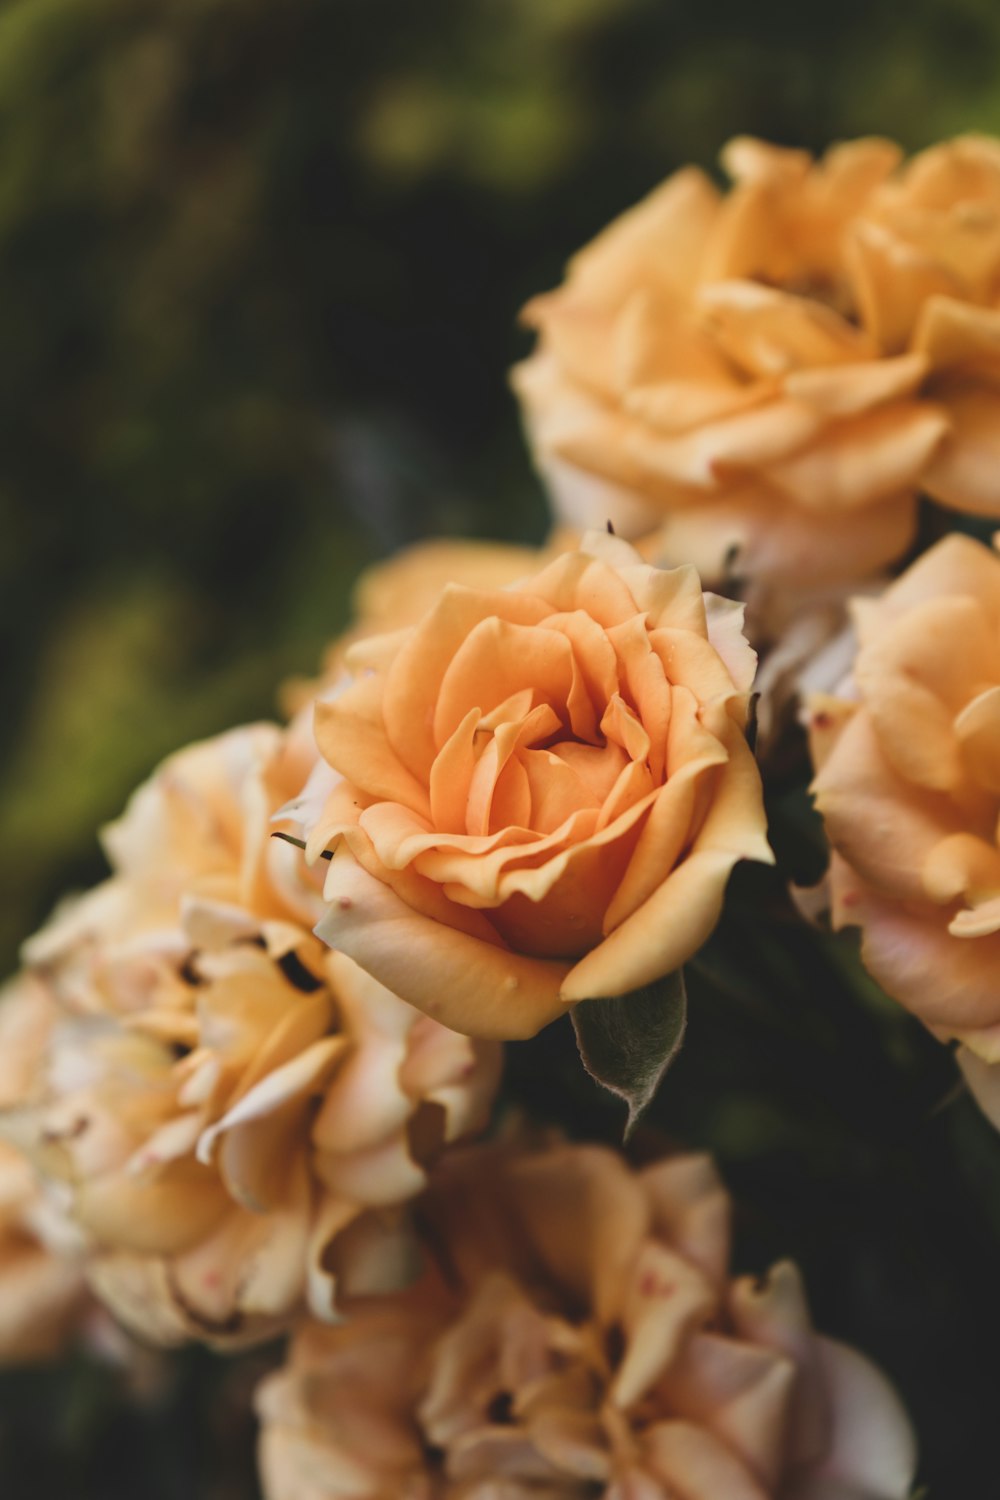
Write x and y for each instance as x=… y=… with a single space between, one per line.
x=628 y=1042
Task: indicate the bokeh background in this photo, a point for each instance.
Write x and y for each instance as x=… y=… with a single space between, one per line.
x=260 y=265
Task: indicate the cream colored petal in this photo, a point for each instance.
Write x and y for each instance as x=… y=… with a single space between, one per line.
x=983 y=1079
x=660 y=240
x=978 y=921
x=873 y=1450
x=585 y=1217
x=695 y=1465
x=750 y=440
x=884 y=827
x=948 y=982
x=378 y=1176
x=253 y=1265
x=955 y=566
x=465 y=983
x=978 y=731
x=845 y=390
x=773 y=1312
x=365 y=1103
x=152 y=1215
x=771 y=333
x=691 y=1211
x=963 y=474
x=962 y=867
x=667 y=1297
x=865 y=459
x=741 y=1393
x=680 y=405
x=959 y=338
x=892 y=280
x=137 y=1290
x=761 y=534
x=581 y=500
x=726 y=631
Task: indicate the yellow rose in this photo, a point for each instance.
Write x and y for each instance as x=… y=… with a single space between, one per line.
x=772 y=374
x=908 y=783
x=236 y=1111
x=537 y=794
x=42 y=1288
x=586 y=1338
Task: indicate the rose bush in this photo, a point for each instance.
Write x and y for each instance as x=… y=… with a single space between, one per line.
x=908 y=783
x=579 y=1335
x=235 y=1111
x=537 y=794
x=770 y=375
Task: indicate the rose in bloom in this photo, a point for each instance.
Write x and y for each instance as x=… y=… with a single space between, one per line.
x=235 y=1110
x=42 y=1289
x=537 y=794
x=908 y=783
x=771 y=374
x=581 y=1336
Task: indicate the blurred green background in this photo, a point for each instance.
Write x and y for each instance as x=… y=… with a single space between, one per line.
x=260 y=264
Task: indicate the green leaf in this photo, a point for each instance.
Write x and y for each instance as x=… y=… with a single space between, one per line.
x=628 y=1042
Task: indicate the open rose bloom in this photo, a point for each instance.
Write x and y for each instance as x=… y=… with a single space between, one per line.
x=908 y=782
x=42 y=1289
x=236 y=1112
x=581 y=1335
x=536 y=794
x=770 y=375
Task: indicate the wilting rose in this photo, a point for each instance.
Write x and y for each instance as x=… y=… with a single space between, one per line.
x=908 y=782
x=770 y=375
x=42 y=1288
x=537 y=794
x=583 y=1336
x=236 y=1111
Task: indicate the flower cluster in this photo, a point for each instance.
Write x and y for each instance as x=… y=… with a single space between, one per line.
x=234 y=1110
x=239 y=1077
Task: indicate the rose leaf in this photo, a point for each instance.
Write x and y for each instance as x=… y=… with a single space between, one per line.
x=628 y=1042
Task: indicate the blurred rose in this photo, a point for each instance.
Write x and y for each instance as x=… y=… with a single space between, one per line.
x=540 y=791
x=236 y=1110
x=908 y=782
x=770 y=375
x=42 y=1288
x=584 y=1338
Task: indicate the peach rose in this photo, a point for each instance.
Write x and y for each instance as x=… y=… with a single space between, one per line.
x=236 y=1111
x=537 y=794
x=908 y=783
x=585 y=1338
x=770 y=375
x=42 y=1288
